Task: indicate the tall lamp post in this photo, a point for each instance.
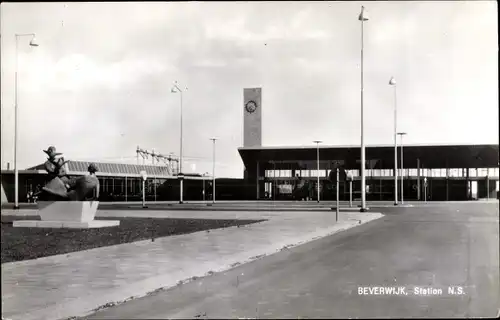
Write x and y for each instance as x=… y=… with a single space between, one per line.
x=176 y=89
x=392 y=82
x=16 y=120
x=317 y=157
x=362 y=17
x=213 y=171
x=401 y=134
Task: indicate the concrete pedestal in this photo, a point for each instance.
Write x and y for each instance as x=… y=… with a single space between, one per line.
x=66 y=224
x=81 y=211
x=67 y=214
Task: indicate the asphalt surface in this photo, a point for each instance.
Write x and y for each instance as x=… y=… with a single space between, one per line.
x=441 y=246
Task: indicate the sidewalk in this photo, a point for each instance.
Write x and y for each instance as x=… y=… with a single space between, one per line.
x=74 y=284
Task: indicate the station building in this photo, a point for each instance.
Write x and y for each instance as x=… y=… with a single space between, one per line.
x=435 y=172
x=118 y=182
x=438 y=172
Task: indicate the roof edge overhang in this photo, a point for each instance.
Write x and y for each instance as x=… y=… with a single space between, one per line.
x=358 y=146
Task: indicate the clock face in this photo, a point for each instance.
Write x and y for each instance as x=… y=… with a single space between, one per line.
x=251 y=106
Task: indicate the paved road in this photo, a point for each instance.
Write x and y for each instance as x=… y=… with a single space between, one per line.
x=437 y=247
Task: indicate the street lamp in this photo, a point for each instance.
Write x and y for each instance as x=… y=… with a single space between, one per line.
x=317 y=157
x=392 y=82
x=213 y=171
x=16 y=171
x=176 y=89
x=402 y=167
x=362 y=17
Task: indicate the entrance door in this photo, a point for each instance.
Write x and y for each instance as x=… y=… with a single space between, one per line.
x=473 y=190
x=268 y=190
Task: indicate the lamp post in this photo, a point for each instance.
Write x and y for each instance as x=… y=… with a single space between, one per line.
x=350 y=177
x=425 y=189
x=402 y=167
x=392 y=82
x=144 y=178
x=337 y=210
x=176 y=89
x=362 y=17
x=213 y=171
x=317 y=157
x=16 y=120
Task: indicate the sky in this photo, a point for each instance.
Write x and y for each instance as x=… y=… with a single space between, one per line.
x=99 y=84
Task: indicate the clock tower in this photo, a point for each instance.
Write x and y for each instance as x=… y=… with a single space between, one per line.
x=252 y=117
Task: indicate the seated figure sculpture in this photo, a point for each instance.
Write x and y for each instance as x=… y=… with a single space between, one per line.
x=60 y=187
x=85 y=188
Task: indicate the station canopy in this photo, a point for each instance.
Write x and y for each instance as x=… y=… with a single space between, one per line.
x=380 y=157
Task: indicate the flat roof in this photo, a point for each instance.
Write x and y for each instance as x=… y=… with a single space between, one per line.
x=113 y=169
x=322 y=146
x=427 y=156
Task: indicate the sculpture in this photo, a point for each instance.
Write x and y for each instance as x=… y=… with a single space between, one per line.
x=67 y=202
x=61 y=187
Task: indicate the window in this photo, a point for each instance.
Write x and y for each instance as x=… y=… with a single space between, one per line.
x=314 y=173
x=482 y=172
x=491 y=171
x=81 y=167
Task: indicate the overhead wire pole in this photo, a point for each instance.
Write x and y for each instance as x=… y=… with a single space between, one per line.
x=16 y=118
x=392 y=82
x=362 y=17
x=176 y=89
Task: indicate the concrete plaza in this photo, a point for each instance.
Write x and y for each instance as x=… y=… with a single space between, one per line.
x=74 y=284
x=434 y=246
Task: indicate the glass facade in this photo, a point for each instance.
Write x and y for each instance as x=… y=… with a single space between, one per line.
x=407 y=172
x=282 y=184
x=129 y=188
